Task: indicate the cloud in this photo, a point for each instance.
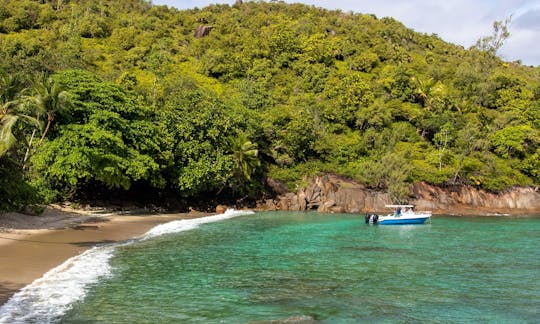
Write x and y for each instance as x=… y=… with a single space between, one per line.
x=524 y=35
x=522 y=46
x=530 y=20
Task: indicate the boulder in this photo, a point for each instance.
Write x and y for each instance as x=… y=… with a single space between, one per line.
x=267 y=204
x=203 y=31
x=277 y=186
x=289 y=201
x=301 y=196
x=220 y=209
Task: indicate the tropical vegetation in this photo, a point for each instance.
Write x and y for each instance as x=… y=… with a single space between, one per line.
x=102 y=98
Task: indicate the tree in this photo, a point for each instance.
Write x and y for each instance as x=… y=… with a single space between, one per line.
x=515 y=141
x=12 y=110
x=442 y=140
x=106 y=138
x=245 y=154
x=429 y=92
x=316 y=90
x=350 y=93
x=199 y=124
x=492 y=44
x=468 y=140
x=49 y=99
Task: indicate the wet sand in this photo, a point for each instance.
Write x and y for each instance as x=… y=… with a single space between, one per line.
x=25 y=255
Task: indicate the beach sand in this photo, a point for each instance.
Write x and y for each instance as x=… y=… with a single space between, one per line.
x=28 y=253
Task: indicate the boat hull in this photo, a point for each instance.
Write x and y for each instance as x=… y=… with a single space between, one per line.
x=403 y=221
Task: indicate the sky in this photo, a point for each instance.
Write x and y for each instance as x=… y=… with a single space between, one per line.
x=460 y=22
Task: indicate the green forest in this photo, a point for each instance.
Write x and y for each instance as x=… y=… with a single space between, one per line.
x=103 y=98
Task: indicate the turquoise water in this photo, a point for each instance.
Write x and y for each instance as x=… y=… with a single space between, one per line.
x=331 y=268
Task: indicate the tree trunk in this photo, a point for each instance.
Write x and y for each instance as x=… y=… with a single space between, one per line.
x=49 y=122
x=27 y=154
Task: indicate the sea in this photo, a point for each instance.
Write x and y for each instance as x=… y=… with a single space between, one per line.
x=298 y=267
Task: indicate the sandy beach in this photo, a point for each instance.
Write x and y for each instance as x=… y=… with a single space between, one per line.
x=32 y=245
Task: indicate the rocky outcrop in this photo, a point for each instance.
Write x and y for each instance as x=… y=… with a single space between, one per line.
x=330 y=194
x=203 y=31
x=469 y=200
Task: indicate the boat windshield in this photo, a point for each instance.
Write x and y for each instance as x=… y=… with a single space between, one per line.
x=401 y=209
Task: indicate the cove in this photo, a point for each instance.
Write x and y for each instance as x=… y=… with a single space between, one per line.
x=329 y=268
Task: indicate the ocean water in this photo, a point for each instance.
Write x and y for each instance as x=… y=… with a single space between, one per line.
x=269 y=266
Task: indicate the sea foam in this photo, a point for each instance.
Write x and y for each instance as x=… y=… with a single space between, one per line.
x=48 y=298
x=188 y=224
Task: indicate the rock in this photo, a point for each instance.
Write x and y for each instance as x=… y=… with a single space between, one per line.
x=220 y=209
x=325 y=207
x=301 y=195
x=330 y=193
x=270 y=204
x=203 y=31
x=289 y=201
x=278 y=187
x=267 y=204
x=337 y=209
x=467 y=200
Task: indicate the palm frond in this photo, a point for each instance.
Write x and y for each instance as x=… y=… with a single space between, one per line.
x=7 y=139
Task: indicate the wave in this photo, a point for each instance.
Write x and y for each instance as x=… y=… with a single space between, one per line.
x=188 y=224
x=48 y=298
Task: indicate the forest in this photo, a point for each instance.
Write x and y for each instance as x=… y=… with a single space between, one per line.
x=103 y=98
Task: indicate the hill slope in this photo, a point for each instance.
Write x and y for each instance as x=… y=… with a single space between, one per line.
x=285 y=90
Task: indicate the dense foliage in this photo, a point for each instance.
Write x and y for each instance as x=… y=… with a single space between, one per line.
x=106 y=95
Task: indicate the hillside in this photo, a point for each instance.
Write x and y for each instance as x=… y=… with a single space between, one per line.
x=106 y=98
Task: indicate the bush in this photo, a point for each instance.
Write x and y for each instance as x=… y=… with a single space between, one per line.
x=15 y=191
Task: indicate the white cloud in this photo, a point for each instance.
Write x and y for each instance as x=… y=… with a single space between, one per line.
x=523 y=46
x=458 y=21
x=530 y=19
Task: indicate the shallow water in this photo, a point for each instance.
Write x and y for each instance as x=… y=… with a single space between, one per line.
x=332 y=268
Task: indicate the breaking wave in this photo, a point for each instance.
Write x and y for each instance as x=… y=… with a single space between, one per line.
x=48 y=298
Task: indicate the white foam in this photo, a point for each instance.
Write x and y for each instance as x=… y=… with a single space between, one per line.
x=188 y=224
x=48 y=298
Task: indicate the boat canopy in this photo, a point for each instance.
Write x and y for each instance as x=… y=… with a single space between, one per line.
x=399 y=206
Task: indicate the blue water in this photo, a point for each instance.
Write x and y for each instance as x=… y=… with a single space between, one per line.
x=329 y=268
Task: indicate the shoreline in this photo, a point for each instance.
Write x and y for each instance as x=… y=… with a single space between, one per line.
x=27 y=254
x=32 y=245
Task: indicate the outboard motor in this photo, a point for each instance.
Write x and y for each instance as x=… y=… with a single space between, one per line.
x=372 y=218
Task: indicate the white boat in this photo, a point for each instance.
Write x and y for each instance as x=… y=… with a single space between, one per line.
x=403 y=214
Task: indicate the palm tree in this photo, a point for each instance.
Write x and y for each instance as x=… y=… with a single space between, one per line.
x=429 y=92
x=49 y=98
x=11 y=87
x=12 y=109
x=245 y=154
x=7 y=139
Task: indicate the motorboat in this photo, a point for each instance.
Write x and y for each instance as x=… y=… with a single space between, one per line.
x=402 y=214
